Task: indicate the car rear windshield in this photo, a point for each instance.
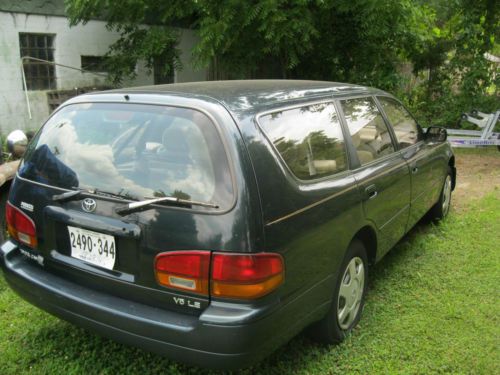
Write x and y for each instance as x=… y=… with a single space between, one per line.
x=133 y=150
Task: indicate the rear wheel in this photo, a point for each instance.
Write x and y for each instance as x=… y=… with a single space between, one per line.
x=348 y=297
x=440 y=210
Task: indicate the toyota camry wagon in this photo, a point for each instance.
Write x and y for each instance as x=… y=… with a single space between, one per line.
x=211 y=222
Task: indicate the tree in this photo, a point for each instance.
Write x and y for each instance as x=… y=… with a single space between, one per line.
x=459 y=76
x=358 y=41
x=350 y=40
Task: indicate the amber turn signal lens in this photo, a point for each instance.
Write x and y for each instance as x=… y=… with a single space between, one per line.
x=246 y=291
x=246 y=276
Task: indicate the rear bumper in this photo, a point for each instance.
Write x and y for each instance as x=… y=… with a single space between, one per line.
x=207 y=340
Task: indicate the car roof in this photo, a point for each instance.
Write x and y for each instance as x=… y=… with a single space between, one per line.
x=244 y=96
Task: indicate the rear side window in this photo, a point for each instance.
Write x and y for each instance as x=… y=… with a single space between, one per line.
x=309 y=139
x=368 y=130
x=136 y=151
x=405 y=127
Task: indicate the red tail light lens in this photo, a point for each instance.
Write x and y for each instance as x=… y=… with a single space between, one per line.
x=241 y=276
x=185 y=270
x=246 y=276
x=20 y=226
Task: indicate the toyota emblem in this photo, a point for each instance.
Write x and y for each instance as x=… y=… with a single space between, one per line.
x=89 y=205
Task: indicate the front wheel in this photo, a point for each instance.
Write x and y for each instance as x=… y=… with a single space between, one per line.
x=440 y=210
x=348 y=297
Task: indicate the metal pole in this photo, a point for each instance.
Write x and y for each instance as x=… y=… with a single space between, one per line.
x=64 y=66
x=50 y=63
x=25 y=89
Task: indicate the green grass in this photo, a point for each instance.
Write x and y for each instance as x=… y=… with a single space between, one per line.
x=432 y=308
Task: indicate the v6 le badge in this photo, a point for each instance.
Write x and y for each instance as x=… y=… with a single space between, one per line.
x=187 y=302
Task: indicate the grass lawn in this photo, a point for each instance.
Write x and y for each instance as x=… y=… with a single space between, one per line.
x=433 y=307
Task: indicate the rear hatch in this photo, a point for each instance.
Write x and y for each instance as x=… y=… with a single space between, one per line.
x=84 y=175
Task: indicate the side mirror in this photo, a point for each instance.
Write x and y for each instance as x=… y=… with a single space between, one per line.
x=436 y=134
x=16 y=143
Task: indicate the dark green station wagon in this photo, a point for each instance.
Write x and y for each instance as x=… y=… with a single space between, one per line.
x=211 y=222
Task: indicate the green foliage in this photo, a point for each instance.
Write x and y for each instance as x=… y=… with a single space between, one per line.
x=245 y=36
x=459 y=77
x=358 y=41
x=150 y=45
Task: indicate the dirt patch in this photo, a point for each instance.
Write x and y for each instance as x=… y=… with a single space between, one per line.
x=478 y=174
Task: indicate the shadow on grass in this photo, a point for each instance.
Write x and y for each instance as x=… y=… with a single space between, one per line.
x=62 y=346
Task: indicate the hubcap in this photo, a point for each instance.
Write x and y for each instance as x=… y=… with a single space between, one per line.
x=351 y=292
x=446 y=195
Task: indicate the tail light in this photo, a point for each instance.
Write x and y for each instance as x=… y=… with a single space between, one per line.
x=246 y=276
x=240 y=276
x=20 y=226
x=186 y=270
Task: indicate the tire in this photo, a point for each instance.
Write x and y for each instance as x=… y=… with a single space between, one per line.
x=3 y=225
x=442 y=207
x=348 y=302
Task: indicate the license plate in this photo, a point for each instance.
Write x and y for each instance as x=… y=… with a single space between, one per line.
x=92 y=247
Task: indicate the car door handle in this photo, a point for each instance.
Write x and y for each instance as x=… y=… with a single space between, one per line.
x=414 y=170
x=371 y=191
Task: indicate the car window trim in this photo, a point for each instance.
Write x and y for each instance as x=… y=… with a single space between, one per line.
x=390 y=128
x=354 y=162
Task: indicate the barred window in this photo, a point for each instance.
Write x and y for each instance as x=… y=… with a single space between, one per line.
x=39 y=74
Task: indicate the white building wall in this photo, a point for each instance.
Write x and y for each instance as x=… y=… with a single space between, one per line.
x=188 y=39
x=92 y=39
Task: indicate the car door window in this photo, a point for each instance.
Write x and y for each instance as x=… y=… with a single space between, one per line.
x=405 y=127
x=309 y=139
x=369 y=133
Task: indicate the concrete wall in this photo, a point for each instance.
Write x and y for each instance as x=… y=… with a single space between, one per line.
x=188 y=39
x=92 y=39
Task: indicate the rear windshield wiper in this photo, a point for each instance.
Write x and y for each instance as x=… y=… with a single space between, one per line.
x=137 y=206
x=67 y=196
x=76 y=194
